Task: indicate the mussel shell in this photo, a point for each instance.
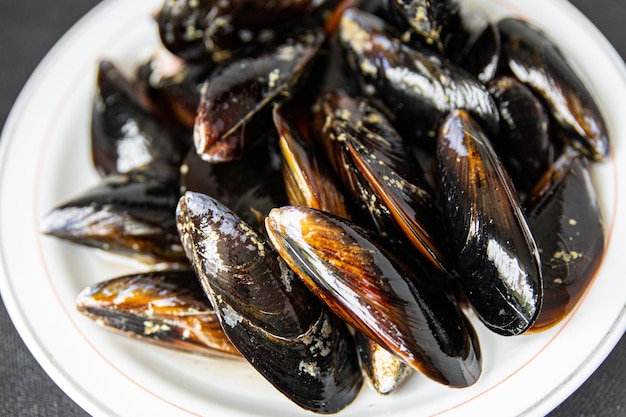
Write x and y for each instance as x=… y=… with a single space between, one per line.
x=537 y=62
x=236 y=98
x=308 y=180
x=126 y=132
x=496 y=256
x=565 y=218
x=379 y=172
x=524 y=143
x=375 y=293
x=419 y=87
x=267 y=313
x=435 y=22
x=167 y=308
x=215 y=31
x=131 y=215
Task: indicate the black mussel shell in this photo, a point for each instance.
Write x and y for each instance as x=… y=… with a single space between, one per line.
x=308 y=180
x=537 y=62
x=524 y=143
x=132 y=215
x=379 y=172
x=268 y=314
x=215 y=30
x=434 y=22
x=565 y=218
x=378 y=295
x=167 y=308
x=236 y=98
x=482 y=58
x=419 y=87
x=127 y=134
x=496 y=256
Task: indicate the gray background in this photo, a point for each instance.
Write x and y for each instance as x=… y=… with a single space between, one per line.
x=28 y=30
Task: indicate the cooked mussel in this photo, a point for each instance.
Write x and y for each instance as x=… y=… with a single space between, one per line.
x=131 y=215
x=565 y=218
x=236 y=99
x=167 y=308
x=375 y=166
x=496 y=256
x=287 y=335
x=127 y=132
x=308 y=180
x=524 y=144
x=392 y=302
x=536 y=61
x=419 y=87
x=214 y=30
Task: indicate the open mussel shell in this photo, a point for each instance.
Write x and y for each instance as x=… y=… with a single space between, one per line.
x=496 y=256
x=131 y=215
x=524 y=144
x=379 y=172
x=236 y=99
x=537 y=62
x=565 y=218
x=375 y=293
x=308 y=180
x=167 y=308
x=419 y=87
x=287 y=335
x=127 y=133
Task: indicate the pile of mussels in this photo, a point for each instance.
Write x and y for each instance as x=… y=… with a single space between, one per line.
x=326 y=188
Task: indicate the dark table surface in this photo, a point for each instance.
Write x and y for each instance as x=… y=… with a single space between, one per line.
x=28 y=30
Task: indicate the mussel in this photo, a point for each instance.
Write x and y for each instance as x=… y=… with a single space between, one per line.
x=127 y=131
x=167 y=308
x=419 y=87
x=375 y=166
x=131 y=215
x=217 y=30
x=536 y=61
x=390 y=301
x=564 y=216
x=525 y=141
x=496 y=256
x=236 y=98
x=287 y=335
x=308 y=180
x=435 y=23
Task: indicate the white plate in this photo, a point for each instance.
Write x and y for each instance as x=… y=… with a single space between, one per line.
x=45 y=161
